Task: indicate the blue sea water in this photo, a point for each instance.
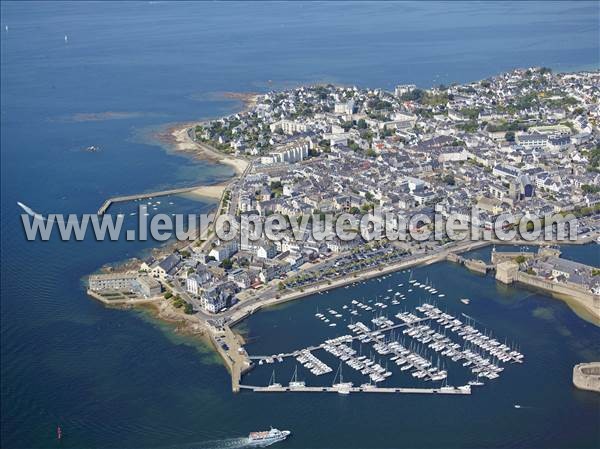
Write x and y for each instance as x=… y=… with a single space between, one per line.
x=115 y=379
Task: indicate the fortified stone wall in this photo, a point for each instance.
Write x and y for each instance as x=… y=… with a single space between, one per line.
x=586 y=376
x=505 y=256
x=506 y=272
x=561 y=288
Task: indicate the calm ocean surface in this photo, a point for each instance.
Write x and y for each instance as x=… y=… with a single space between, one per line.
x=115 y=379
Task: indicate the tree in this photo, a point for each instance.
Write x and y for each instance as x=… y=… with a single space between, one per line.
x=594 y=157
x=313 y=152
x=469 y=127
x=449 y=179
x=520 y=259
x=588 y=188
x=366 y=207
x=413 y=95
x=361 y=124
x=227 y=264
x=188 y=309
x=510 y=136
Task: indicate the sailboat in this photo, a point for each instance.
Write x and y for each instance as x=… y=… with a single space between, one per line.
x=295 y=383
x=341 y=387
x=272 y=383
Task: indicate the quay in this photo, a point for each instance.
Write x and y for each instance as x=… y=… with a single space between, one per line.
x=141 y=196
x=240 y=313
x=367 y=389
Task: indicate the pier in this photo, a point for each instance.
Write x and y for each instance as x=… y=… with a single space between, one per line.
x=478 y=351
x=141 y=196
x=316 y=347
x=366 y=389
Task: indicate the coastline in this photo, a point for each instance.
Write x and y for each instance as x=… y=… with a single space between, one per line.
x=180 y=138
x=234 y=357
x=177 y=136
x=582 y=309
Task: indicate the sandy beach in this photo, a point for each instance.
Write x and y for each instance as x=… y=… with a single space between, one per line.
x=212 y=192
x=178 y=136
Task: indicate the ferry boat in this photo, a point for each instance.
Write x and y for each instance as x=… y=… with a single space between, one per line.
x=267 y=438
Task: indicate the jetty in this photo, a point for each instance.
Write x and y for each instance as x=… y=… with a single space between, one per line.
x=141 y=196
x=365 y=389
x=350 y=338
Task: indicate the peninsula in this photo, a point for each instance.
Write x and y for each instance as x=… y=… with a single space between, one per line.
x=523 y=142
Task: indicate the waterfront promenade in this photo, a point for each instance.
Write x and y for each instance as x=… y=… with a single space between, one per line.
x=271 y=297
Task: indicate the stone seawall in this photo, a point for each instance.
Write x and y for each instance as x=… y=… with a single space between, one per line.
x=583 y=296
x=507 y=256
x=508 y=273
x=586 y=376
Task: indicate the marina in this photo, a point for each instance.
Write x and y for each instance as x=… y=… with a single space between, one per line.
x=403 y=345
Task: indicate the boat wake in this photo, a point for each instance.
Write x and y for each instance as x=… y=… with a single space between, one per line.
x=471 y=318
x=519 y=406
x=29 y=211
x=226 y=443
